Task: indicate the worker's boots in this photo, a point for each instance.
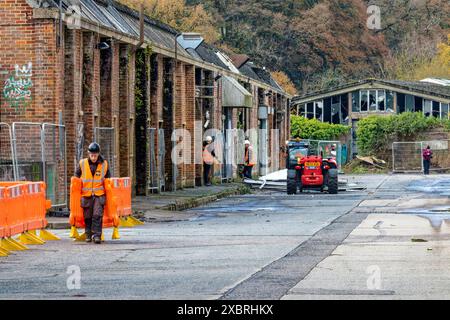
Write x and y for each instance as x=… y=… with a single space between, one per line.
x=97 y=240
x=88 y=237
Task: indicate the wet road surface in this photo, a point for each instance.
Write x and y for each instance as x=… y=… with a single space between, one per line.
x=257 y=246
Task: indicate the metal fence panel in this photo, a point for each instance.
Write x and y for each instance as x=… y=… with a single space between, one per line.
x=326 y=147
x=161 y=159
x=153 y=176
x=7 y=161
x=27 y=139
x=441 y=154
x=105 y=137
x=55 y=164
x=407 y=157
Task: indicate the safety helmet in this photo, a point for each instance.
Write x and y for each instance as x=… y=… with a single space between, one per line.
x=246 y=142
x=208 y=139
x=94 y=148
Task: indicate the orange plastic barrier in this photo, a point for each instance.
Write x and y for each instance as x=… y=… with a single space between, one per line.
x=35 y=206
x=22 y=207
x=121 y=188
x=110 y=216
x=3 y=210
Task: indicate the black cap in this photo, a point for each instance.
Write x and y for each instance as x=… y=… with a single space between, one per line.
x=94 y=147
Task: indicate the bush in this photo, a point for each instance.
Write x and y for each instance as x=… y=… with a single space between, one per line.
x=375 y=131
x=315 y=129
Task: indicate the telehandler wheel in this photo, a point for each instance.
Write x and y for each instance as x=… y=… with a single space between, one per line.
x=291 y=186
x=333 y=181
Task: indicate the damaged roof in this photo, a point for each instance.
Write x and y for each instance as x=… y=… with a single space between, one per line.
x=116 y=16
x=418 y=87
x=113 y=15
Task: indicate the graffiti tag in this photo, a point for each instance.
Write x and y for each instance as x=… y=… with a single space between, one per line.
x=17 y=88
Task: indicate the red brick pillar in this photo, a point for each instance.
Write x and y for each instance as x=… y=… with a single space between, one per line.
x=90 y=87
x=189 y=86
x=73 y=69
x=180 y=117
x=126 y=108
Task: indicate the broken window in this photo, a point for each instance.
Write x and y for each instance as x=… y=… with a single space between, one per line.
x=372 y=100
x=444 y=110
x=400 y=103
x=355 y=102
x=381 y=100
x=310 y=110
x=409 y=103
x=436 y=109
x=335 y=109
x=364 y=101
x=427 y=108
x=389 y=101
x=327 y=110
x=418 y=104
x=318 y=110
x=301 y=111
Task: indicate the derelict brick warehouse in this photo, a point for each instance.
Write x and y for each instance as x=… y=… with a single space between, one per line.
x=88 y=74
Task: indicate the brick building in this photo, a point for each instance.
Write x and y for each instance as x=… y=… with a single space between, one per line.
x=86 y=67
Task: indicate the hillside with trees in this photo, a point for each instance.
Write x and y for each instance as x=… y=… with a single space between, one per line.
x=321 y=43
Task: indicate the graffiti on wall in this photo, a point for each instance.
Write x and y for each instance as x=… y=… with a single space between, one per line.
x=17 y=89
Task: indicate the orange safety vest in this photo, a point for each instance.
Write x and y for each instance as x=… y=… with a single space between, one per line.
x=207 y=156
x=248 y=157
x=93 y=185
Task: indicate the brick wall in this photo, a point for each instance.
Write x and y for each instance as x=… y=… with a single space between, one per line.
x=190 y=119
x=30 y=44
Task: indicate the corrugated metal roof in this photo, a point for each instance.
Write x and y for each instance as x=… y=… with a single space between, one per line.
x=113 y=15
x=208 y=54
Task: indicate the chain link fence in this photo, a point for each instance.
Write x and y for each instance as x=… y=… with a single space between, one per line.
x=407 y=156
x=105 y=137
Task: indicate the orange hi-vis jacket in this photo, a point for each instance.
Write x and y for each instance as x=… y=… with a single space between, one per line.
x=93 y=185
x=207 y=156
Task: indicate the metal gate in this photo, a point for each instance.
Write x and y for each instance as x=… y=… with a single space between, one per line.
x=105 y=137
x=7 y=161
x=39 y=153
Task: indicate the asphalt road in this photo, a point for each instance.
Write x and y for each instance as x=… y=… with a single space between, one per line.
x=257 y=246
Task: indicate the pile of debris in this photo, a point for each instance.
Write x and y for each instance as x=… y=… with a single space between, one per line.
x=369 y=164
x=277 y=180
